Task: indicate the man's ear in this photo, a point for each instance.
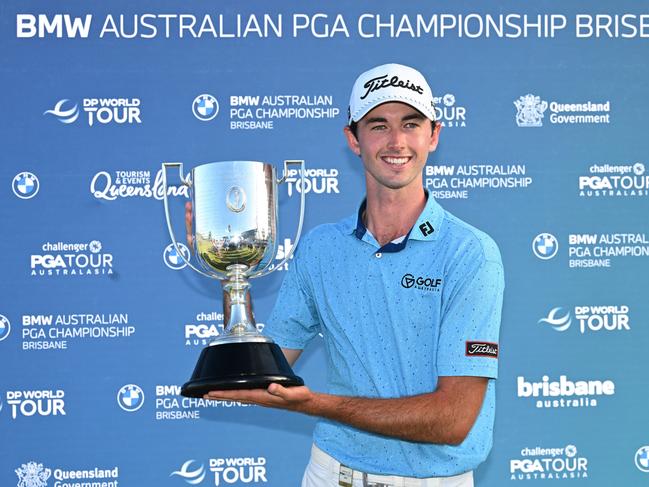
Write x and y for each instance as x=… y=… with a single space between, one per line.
x=434 y=138
x=352 y=141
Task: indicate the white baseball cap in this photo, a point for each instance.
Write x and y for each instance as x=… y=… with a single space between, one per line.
x=390 y=82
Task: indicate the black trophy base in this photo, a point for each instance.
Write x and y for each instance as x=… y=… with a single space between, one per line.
x=245 y=365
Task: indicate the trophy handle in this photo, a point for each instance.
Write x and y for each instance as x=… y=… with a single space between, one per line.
x=186 y=182
x=288 y=255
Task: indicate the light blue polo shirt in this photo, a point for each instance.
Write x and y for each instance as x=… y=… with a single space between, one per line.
x=394 y=319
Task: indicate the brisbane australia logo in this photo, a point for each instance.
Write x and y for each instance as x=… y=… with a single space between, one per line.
x=423 y=283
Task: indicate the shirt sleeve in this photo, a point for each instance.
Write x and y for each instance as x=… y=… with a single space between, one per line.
x=294 y=320
x=470 y=324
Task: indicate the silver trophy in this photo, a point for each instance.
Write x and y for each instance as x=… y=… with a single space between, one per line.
x=234 y=238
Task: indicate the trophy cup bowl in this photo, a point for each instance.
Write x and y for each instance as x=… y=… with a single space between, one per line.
x=234 y=238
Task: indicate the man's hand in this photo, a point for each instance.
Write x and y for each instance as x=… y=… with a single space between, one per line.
x=189 y=213
x=298 y=398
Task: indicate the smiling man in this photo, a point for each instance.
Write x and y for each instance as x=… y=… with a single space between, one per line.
x=408 y=299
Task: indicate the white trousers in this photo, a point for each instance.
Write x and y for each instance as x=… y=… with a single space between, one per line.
x=324 y=471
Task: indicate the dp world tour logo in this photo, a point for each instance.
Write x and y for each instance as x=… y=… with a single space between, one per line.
x=559 y=323
x=545 y=246
x=192 y=477
x=5 y=327
x=173 y=259
x=33 y=474
x=642 y=459
x=25 y=185
x=205 y=107
x=65 y=116
x=529 y=111
x=130 y=397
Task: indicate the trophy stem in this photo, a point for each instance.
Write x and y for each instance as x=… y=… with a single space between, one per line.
x=240 y=325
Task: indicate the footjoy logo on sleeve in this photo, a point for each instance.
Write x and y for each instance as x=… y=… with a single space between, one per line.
x=481 y=349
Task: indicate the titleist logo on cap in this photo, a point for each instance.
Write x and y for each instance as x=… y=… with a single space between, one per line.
x=482 y=349
x=379 y=82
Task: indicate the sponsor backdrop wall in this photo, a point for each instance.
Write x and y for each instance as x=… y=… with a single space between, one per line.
x=544 y=146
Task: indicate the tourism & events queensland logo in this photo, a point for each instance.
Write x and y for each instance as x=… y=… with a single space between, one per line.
x=530 y=111
x=25 y=185
x=100 y=111
x=172 y=257
x=228 y=470
x=132 y=183
x=618 y=180
x=545 y=246
x=590 y=318
x=5 y=327
x=205 y=107
x=642 y=459
x=130 y=397
x=64 y=259
x=537 y=463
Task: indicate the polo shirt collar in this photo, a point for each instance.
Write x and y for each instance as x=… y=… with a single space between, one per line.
x=426 y=227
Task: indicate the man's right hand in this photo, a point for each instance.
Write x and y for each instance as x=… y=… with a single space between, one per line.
x=189 y=214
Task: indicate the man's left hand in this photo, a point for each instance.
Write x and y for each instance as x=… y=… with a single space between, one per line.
x=298 y=398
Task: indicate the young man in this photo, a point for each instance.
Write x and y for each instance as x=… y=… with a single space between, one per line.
x=408 y=299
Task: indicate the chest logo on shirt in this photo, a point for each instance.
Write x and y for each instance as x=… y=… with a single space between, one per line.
x=423 y=283
x=482 y=349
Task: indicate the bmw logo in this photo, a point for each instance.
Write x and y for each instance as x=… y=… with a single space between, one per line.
x=545 y=246
x=5 y=327
x=173 y=259
x=25 y=185
x=130 y=398
x=642 y=459
x=205 y=107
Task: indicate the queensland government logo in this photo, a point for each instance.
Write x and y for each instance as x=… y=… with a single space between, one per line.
x=642 y=459
x=590 y=318
x=130 y=397
x=545 y=246
x=205 y=107
x=25 y=185
x=172 y=257
x=530 y=111
x=33 y=474
x=99 y=110
x=5 y=327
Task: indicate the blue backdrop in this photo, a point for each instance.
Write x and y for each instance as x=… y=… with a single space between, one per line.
x=543 y=147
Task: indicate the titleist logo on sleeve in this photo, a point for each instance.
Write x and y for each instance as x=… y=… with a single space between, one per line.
x=382 y=82
x=481 y=349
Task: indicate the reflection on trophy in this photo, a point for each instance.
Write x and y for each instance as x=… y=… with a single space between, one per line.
x=234 y=238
